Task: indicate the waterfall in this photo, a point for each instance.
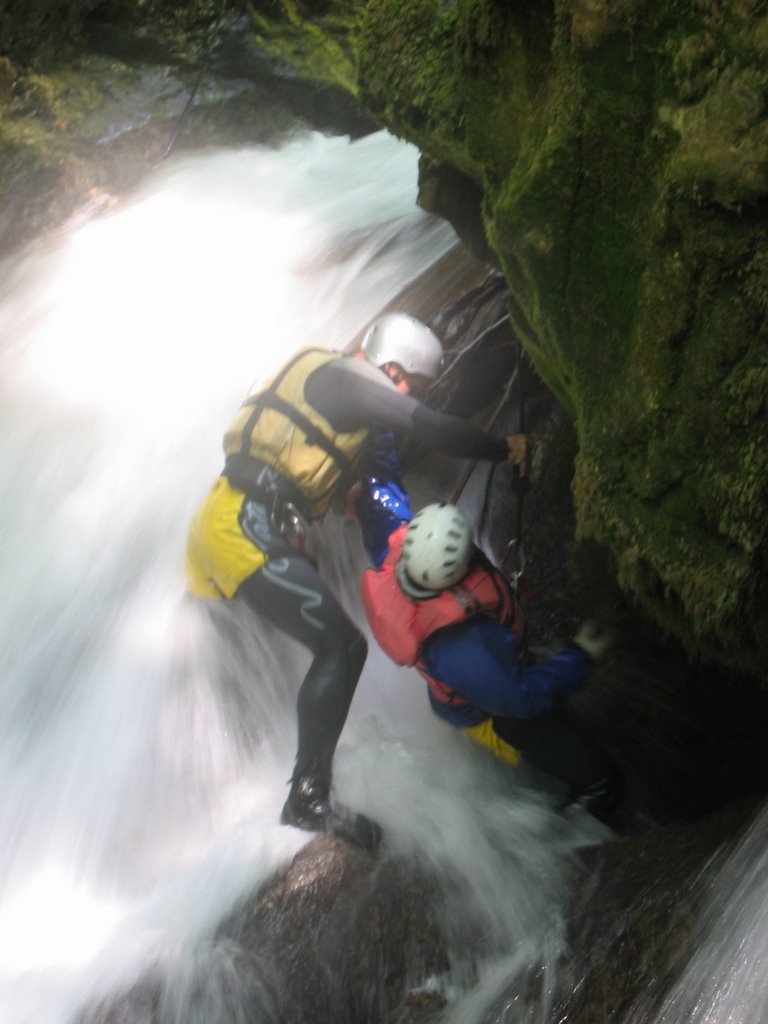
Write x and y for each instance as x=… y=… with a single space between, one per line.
x=725 y=979
x=144 y=762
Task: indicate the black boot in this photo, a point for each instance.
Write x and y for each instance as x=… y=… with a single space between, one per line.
x=308 y=807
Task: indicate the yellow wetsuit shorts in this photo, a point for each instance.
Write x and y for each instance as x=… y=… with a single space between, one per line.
x=219 y=555
x=485 y=735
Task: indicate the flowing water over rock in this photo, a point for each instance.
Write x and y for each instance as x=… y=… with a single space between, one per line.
x=725 y=979
x=144 y=760
x=145 y=744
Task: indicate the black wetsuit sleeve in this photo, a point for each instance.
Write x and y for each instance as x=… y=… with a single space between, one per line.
x=455 y=436
x=350 y=399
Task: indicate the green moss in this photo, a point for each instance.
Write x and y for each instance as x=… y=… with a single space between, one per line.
x=408 y=75
x=321 y=48
x=723 y=151
x=571 y=212
x=685 y=478
x=40 y=127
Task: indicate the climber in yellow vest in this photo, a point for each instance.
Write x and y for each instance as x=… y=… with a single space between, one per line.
x=292 y=447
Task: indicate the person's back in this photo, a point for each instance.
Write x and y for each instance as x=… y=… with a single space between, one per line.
x=294 y=426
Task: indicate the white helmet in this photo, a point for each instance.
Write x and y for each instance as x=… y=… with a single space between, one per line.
x=436 y=551
x=399 y=338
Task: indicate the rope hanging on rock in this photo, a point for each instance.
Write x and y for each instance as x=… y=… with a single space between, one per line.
x=513 y=559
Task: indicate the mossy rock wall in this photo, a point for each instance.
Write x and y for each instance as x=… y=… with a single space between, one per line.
x=622 y=152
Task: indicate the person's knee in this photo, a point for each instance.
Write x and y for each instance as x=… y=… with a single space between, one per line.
x=350 y=658
x=345 y=641
x=344 y=650
x=335 y=671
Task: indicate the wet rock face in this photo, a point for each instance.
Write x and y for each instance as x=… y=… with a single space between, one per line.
x=637 y=920
x=349 y=937
x=340 y=936
x=337 y=936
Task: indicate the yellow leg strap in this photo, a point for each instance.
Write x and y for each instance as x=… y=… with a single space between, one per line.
x=484 y=734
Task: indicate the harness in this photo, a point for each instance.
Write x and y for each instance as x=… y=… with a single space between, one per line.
x=402 y=626
x=311 y=467
x=269 y=399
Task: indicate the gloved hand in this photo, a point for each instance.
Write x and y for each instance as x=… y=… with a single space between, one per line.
x=517 y=448
x=593 y=639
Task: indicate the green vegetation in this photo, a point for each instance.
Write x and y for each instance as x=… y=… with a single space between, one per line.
x=320 y=46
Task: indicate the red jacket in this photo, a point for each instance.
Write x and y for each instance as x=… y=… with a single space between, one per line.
x=402 y=626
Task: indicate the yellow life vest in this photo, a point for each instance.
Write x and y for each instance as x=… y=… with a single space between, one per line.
x=277 y=426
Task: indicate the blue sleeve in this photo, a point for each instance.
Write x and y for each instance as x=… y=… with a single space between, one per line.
x=383 y=504
x=478 y=659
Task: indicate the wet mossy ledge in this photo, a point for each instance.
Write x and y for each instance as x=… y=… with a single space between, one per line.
x=616 y=154
x=610 y=156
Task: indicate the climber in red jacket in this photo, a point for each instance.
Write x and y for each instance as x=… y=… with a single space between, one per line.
x=435 y=602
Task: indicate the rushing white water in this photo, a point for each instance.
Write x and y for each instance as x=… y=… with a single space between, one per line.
x=726 y=981
x=142 y=771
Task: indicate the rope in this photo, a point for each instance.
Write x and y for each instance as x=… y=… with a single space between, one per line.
x=494 y=416
x=451 y=367
x=513 y=562
x=514 y=550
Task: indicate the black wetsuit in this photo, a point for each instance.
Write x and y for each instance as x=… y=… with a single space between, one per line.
x=289 y=592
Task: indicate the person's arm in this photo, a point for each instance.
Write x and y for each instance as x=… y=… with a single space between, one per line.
x=351 y=394
x=382 y=503
x=478 y=659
